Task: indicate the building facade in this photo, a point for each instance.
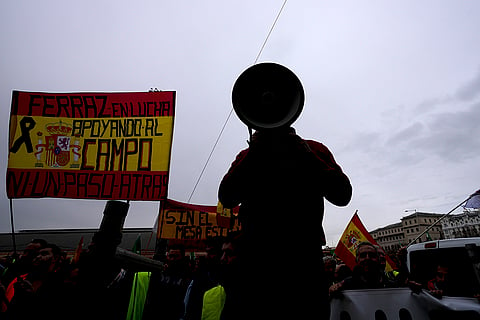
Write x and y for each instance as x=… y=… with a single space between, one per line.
x=463 y=225
x=394 y=236
x=390 y=237
x=416 y=223
x=69 y=239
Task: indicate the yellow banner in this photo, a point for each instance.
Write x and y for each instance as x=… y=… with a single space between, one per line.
x=90 y=145
x=191 y=222
x=119 y=144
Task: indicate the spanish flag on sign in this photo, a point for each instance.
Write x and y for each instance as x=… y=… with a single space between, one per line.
x=351 y=237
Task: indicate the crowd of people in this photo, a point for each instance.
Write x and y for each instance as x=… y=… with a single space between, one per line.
x=40 y=282
x=43 y=283
x=370 y=272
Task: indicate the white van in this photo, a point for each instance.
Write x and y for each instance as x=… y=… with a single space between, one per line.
x=461 y=256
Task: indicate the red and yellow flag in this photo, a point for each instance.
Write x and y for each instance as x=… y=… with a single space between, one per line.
x=355 y=233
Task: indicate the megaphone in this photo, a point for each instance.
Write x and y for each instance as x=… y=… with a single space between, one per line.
x=268 y=96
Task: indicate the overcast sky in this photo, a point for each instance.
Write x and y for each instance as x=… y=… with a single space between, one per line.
x=392 y=88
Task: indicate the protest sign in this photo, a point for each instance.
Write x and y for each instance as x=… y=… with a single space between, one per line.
x=90 y=145
x=191 y=222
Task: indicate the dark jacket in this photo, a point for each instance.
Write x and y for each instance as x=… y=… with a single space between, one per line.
x=281 y=181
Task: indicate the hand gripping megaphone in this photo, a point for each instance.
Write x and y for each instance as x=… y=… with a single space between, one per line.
x=268 y=96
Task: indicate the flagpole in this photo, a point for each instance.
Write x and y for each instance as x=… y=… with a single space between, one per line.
x=12 y=225
x=440 y=219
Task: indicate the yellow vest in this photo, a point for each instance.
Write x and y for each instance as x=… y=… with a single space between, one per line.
x=213 y=302
x=138 y=295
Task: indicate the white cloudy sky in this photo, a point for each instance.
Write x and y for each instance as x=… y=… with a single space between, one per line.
x=392 y=88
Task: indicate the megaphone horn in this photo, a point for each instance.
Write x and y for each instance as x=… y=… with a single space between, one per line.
x=268 y=96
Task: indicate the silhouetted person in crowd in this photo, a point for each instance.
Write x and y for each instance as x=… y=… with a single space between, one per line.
x=206 y=276
x=166 y=292
x=342 y=271
x=37 y=294
x=403 y=274
x=382 y=260
x=280 y=182
x=399 y=276
x=23 y=263
x=367 y=274
x=216 y=306
x=438 y=285
x=102 y=280
x=330 y=265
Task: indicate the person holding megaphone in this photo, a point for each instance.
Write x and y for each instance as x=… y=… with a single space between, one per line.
x=280 y=182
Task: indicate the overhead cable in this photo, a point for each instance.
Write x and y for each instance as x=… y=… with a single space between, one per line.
x=231 y=110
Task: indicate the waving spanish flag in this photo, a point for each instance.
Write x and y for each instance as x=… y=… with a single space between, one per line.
x=351 y=237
